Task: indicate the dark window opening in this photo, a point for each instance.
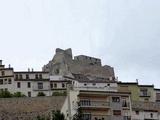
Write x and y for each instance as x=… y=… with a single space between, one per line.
x=40 y=85
x=115 y=99
x=18 y=84
x=29 y=84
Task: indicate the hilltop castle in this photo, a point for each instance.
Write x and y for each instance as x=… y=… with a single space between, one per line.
x=63 y=64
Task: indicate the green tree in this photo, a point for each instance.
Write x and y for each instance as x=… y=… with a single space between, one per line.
x=78 y=115
x=57 y=115
x=41 y=94
x=5 y=94
x=40 y=118
x=18 y=94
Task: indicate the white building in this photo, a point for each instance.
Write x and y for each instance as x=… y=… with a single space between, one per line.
x=97 y=104
x=145 y=110
x=6 y=78
x=32 y=82
x=59 y=83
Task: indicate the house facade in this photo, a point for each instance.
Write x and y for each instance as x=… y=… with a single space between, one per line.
x=97 y=104
x=138 y=92
x=6 y=78
x=32 y=82
x=145 y=110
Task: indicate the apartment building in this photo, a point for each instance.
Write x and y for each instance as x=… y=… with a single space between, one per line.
x=6 y=78
x=157 y=95
x=97 y=104
x=146 y=93
x=145 y=110
x=59 y=83
x=32 y=82
x=138 y=92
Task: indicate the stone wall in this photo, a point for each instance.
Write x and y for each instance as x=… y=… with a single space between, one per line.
x=63 y=64
x=29 y=108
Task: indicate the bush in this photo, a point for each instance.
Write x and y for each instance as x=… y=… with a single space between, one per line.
x=18 y=94
x=5 y=94
x=64 y=93
x=41 y=94
x=57 y=115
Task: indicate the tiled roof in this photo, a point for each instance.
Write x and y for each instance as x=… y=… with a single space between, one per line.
x=152 y=106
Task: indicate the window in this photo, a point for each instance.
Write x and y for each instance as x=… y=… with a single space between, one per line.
x=108 y=84
x=3 y=73
x=18 y=84
x=1 y=90
x=29 y=84
x=116 y=112
x=55 y=85
x=29 y=94
x=20 y=76
x=1 y=81
x=51 y=85
x=27 y=76
x=9 y=81
x=40 y=85
x=146 y=99
x=115 y=99
x=5 y=81
x=137 y=112
x=85 y=84
x=94 y=84
x=6 y=89
x=63 y=85
x=86 y=116
x=151 y=115
x=36 y=76
x=40 y=76
x=143 y=92
x=16 y=76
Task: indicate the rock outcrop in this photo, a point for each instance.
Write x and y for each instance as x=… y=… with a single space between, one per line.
x=63 y=64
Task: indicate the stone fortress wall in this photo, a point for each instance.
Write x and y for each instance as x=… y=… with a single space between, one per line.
x=63 y=64
x=28 y=108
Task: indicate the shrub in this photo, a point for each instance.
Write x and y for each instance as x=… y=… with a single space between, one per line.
x=18 y=94
x=57 y=115
x=5 y=94
x=64 y=93
x=40 y=118
x=41 y=94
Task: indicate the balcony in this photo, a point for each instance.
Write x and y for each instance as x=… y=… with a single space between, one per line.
x=94 y=104
x=126 y=117
x=95 y=117
x=125 y=104
x=37 y=88
x=144 y=94
x=101 y=117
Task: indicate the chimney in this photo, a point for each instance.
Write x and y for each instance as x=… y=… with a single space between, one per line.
x=9 y=66
x=28 y=70
x=32 y=70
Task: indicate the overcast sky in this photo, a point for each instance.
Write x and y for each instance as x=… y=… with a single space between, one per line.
x=125 y=34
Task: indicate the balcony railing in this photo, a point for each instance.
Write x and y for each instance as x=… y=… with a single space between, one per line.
x=101 y=117
x=44 y=88
x=145 y=94
x=93 y=103
x=95 y=117
x=125 y=104
x=126 y=117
